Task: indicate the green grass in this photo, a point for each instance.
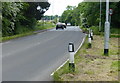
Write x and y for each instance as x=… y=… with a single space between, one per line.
x=63 y=70
x=116 y=65
x=114 y=32
x=39 y=26
x=115 y=35
x=44 y=25
x=56 y=77
x=16 y=36
x=96 y=30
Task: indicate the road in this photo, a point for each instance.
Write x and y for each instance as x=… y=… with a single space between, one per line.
x=34 y=58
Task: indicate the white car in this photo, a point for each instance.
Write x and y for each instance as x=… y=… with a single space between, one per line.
x=68 y=24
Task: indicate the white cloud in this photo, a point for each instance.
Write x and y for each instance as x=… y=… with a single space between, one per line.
x=58 y=6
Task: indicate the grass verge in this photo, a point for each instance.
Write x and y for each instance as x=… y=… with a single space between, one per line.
x=90 y=63
x=39 y=26
x=44 y=25
x=114 y=32
x=15 y=36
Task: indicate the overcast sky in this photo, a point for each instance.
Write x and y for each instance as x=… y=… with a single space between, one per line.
x=58 y=6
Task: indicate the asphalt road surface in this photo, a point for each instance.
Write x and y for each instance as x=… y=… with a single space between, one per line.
x=34 y=58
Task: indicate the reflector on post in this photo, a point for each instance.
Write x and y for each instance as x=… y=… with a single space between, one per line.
x=110 y=11
x=71 y=47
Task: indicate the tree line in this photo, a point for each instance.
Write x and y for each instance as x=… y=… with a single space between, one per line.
x=20 y=17
x=89 y=13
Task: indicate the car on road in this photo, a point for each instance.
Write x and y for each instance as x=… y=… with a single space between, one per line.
x=60 y=25
x=68 y=24
x=64 y=25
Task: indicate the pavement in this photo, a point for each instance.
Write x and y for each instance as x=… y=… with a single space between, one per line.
x=35 y=57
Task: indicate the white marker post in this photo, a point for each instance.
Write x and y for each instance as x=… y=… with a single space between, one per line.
x=91 y=32
x=89 y=39
x=71 y=58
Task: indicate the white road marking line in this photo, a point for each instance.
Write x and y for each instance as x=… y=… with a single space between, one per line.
x=81 y=44
x=6 y=42
x=68 y=59
x=59 y=67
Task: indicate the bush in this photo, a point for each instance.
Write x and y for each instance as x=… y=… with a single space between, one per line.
x=21 y=29
x=95 y=30
x=44 y=25
x=114 y=30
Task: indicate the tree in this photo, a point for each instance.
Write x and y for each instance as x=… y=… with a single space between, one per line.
x=19 y=17
x=67 y=15
x=90 y=11
x=9 y=13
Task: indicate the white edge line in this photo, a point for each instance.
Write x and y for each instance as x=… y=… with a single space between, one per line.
x=68 y=59
x=81 y=44
x=6 y=42
x=59 y=67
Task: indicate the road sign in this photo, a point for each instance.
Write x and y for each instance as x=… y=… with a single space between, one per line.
x=110 y=11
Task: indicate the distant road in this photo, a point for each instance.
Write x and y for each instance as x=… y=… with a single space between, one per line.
x=34 y=58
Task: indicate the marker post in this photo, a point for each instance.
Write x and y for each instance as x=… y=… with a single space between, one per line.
x=71 y=57
x=89 y=39
x=91 y=32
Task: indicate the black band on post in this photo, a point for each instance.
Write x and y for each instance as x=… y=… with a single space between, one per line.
x=106 y=52
x=72 y=67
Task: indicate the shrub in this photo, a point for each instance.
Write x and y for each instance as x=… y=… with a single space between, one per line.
x=95 y=30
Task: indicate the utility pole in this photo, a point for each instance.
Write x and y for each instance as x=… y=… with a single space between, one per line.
x=107 y=30
x=100 y=17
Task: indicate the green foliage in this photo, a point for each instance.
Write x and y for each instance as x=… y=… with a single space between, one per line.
x=114 y=30
x=95 y=30
x=115 y=35
x=63 y=70
x=21 y=29
x=20 y=17
x=9 y=13
x=24 y=31
x=68 y=15
x=89 y=13
x=115 y=21
x=44 y=25
x=56 y=77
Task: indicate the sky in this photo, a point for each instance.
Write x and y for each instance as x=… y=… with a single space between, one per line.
x=57 y=7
